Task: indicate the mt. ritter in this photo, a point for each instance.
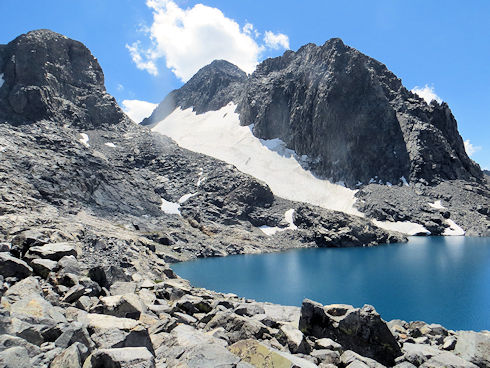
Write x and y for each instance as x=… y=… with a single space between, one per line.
x=322 y=147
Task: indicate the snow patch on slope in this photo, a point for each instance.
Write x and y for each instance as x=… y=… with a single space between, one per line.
x=406 y=227
x=185 y=197
x=219 y=134
x=453 y=229
x=2 y=81
x=84 y=140
x=437 y=204
x=288 y=216
x=110 y=144
x=170 y=208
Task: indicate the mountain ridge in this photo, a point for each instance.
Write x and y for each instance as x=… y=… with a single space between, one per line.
x=347 y=112
x=87 y=235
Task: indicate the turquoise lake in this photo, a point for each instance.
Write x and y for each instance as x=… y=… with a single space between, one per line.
x=442 y=280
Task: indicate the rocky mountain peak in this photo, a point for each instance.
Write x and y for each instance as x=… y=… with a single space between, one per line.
x=211 y=88
x=49 y=76
x=353 y=118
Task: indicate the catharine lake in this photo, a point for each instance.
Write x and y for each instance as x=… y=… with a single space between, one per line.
x=443 y=280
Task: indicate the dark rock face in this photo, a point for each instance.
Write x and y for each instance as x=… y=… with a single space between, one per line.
x=211 y=88
x=351 y=114
x=347 y=112
x=358 y=329
x=48 y=76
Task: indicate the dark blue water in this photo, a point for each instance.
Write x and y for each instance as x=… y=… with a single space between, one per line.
x=442 y=280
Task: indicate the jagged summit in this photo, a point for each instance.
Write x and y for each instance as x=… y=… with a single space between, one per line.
x=211 y=88
x=345 y=111
x=49 y=76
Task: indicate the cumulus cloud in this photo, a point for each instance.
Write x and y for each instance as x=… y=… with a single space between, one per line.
x=470 y=149
x=427 y=93
x=188 y=39
x=276 y=41
x=142 y=58
x=138 y=110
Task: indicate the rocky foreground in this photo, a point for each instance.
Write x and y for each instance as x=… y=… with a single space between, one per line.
x=57 y=313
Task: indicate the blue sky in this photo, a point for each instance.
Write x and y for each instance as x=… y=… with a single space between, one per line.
x=445 y=45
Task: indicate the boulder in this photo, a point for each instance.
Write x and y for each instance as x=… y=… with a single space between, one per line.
x=350 y=359
x=31 y=332
x=259 y=355
x=205 y=356
x=249 y=309
x=359 y=329
x=326 y=343
x=121 y=358
x=474 y=347
x=8 y=341
x=447 y=360
x=293 y=339
x=75 y=332
x=35 y=309
x=237 y=327
x=127 y=305
x=105 y=276
x=191 y=304
x=97 y=322
x=116 y=338
x=43 y=267
x=15 y=357
x=52 y=251
x=71 y=357
x=123 y=287
x=418 y=354
x=13 y=267
x=69 y=264
x=326 y=356
x=74 y=293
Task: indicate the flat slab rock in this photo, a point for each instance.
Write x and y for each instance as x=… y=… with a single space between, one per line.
x=121 y=358
x=52 y=251
x=259 y=355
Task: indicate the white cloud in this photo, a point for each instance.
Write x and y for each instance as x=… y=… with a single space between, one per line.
x=138 y=110
x=470 y=149
x=427 y=93
x=191 y=38
x=142 y=58
x=276 y=41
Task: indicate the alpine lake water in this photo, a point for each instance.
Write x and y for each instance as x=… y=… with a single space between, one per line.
x=442 y=280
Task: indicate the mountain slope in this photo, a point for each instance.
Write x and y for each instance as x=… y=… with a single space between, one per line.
x=347 y=112
x=334 y=115
x=71 y=160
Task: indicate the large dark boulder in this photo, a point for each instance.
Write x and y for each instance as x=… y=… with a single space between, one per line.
x=358 y=329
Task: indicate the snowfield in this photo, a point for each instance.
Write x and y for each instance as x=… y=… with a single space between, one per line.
x=453 y=229
x=84 y=140
x=288 y=216
x=219 y=134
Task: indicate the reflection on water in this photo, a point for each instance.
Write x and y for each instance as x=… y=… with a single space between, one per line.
x=435 y=279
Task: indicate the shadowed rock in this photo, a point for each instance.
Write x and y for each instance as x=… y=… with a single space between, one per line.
x=359 y=329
